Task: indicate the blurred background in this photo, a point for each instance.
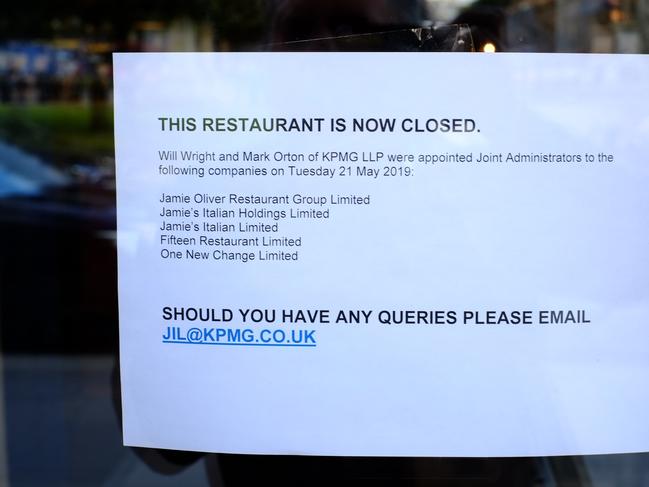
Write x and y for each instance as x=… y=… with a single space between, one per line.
x=59 y=392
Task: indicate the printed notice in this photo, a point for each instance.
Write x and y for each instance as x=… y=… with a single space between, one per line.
x=385 y=254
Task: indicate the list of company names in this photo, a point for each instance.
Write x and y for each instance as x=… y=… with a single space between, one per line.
x=247 y=226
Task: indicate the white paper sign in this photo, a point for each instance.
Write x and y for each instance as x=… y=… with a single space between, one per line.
x=384 y=254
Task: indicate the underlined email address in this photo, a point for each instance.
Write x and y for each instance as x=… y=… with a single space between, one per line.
x=239 y=337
